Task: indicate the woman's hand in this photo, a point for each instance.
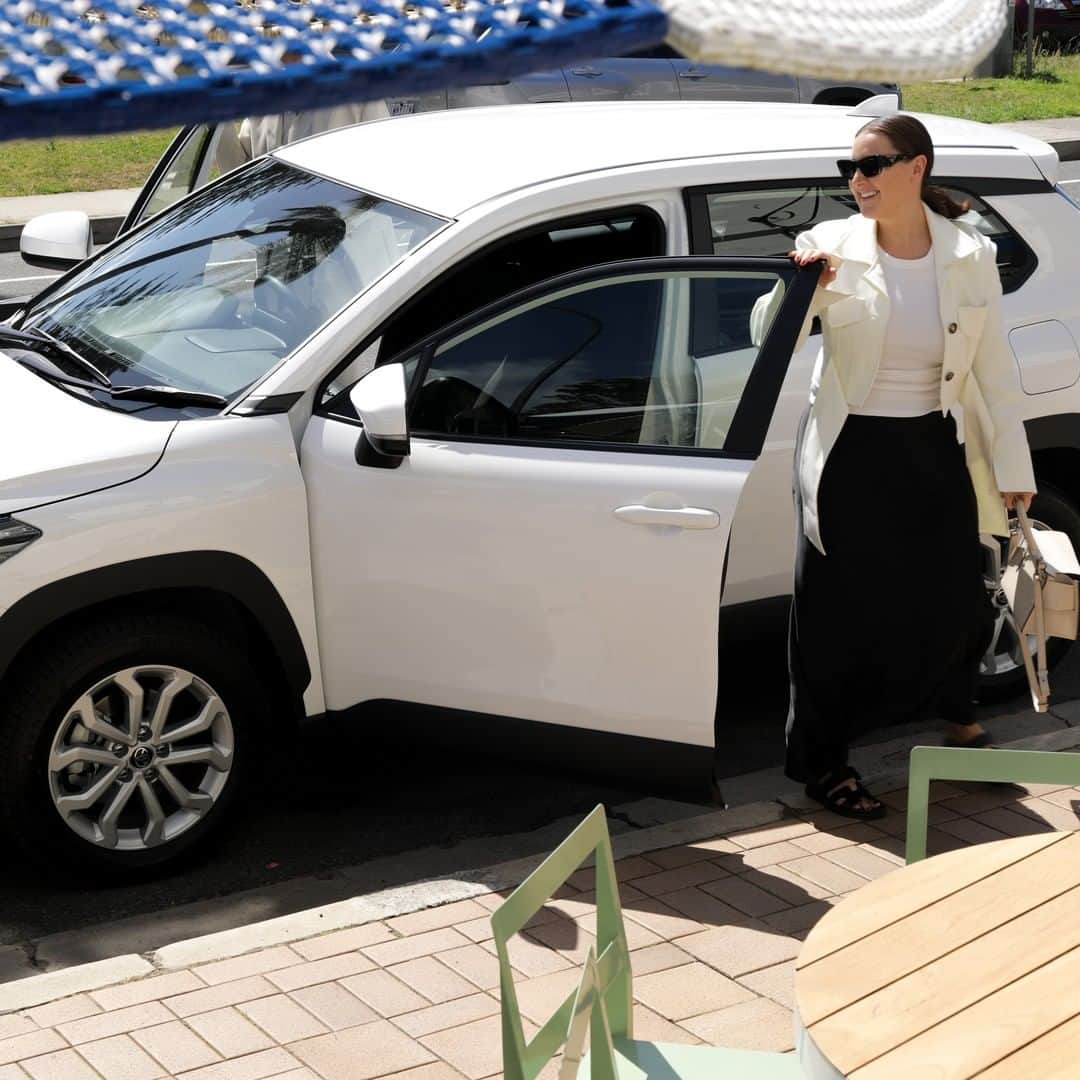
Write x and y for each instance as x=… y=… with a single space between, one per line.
x=1012 y=498
x=804 y=258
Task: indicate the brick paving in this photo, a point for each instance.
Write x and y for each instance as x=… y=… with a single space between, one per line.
x=714 y=928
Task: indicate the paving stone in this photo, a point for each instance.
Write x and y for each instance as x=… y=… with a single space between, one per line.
x=803 y=917
x=568 y=940
x=320 y=971
x=29 y=1045
x=1059 y=817
x=450 y=1014
x=625 y=870
x=658 y=916
x=60 y=1012
x=229 y=1033
x=342 y=941
x=738 y=950
x=988 y=797
x=673 y=857
x=436 y=918
x=437 y=1070
x=659 y=958
x=782 y=881
x=703 y=908
x=827 y=874
x=361 y=1053
x=154 y=988
x=62 y=1065
x=776 y=982
x=13 y=1024
x=745 y=896
x=121 y=1058
x=971 y=831
x=473 y=1049
x=772 y=834
x=333 y=1005
x=652 y=1027
x=539 y=998
x=282 y=1018
x=430 y=977
x=476 y=930
x=252 y=1067
x=383 y=993
x=1012 y=823
x=1067 y=798
x=681 y=877
x=474 y=962
x=771 y=854
x=114 y=1023
x=429 y=944
x=217 y=997
x=240 y=967
x=529 y=957
x=678 y=993
x=862 y=861
x=12 y=1072
x=176 y=1047
x=760 y=1024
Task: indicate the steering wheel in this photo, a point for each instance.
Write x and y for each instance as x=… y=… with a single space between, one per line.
x=285 y=305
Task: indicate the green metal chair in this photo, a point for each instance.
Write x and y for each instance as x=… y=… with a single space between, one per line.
x=600 y=1008
x=989 y=765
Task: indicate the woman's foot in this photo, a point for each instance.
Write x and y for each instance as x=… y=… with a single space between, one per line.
x=968 y=737
x=842 y=792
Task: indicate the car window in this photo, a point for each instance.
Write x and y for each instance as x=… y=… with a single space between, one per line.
x=606 y=363
x=766 y=220
x=524 y=259
x=214 y=292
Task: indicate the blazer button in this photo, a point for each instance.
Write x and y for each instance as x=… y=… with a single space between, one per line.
x=952 y=328
x=949 y=375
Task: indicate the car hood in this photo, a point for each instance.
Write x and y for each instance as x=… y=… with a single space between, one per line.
x=54 y=446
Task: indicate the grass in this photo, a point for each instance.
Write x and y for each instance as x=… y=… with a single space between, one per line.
x=48 y=166
x=1053 y=91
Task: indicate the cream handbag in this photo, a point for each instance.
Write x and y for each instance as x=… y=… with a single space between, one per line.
x=1043 y=597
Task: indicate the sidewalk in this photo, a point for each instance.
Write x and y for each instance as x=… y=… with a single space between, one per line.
x=716 y=909
x=107 y=209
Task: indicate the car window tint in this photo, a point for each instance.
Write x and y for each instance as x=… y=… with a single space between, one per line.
x=765 y=221
x=603 y=363
x=522 y=260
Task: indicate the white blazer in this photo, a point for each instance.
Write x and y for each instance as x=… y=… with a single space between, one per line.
x=979 y=373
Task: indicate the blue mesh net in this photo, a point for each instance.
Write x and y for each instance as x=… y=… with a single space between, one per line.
x=90 y=66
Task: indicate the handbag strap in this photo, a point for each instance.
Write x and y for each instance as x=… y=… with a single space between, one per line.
x=1038 y=678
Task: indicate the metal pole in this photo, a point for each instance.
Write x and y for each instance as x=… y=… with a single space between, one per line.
x=1030 y=38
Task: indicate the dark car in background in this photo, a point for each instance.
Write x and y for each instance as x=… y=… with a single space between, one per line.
x=1057 y=23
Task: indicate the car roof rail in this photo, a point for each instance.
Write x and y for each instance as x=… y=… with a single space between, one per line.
x=878 y=105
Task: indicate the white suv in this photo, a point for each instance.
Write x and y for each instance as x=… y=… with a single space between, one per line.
x=458 y=410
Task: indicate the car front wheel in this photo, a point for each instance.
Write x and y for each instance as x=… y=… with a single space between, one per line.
x=127 y=741
x=1001 y=672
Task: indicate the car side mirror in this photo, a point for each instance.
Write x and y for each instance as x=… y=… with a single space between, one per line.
x=56 y=241
x=379 y=399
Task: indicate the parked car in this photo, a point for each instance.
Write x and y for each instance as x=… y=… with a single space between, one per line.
x=353 y=426
x=1057 y=22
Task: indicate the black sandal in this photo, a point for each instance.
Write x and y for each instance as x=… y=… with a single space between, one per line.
x=845 y=800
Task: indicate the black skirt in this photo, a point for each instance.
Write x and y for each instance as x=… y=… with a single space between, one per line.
x=890 y=624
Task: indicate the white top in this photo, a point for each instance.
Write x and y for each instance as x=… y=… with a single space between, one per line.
x=908 y=381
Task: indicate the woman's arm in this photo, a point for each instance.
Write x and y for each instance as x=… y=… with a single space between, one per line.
x=998 y=377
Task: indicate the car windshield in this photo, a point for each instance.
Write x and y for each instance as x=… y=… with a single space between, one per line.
x=216 y=291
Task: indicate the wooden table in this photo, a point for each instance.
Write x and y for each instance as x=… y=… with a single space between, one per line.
x=966 y=964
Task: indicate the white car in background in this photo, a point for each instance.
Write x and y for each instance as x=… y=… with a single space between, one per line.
x=458 y=410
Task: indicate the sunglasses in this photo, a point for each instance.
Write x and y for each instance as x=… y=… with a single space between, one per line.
x=869 y=166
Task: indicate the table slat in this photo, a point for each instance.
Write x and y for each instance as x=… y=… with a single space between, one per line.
x=1053 y=1056
x=871 y=963
x=882 y=903
x=914 y=1004
x=983 y=1034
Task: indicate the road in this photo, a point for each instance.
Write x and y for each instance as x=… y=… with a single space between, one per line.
x=18 y=278
x=348 y=813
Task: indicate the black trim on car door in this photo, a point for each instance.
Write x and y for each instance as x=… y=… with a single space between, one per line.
x=154 y=179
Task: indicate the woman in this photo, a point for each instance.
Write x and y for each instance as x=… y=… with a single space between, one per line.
x=890 y=615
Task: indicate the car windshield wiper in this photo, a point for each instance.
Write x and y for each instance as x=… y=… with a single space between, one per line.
x=39 y=341
x=169 y=395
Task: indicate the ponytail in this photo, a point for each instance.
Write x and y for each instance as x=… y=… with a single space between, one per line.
x=941 y=202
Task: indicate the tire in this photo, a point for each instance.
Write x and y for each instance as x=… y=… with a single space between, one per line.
x=83 y=766
x=1054 y=510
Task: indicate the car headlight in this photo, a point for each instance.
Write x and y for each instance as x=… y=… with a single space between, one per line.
x=14 y=536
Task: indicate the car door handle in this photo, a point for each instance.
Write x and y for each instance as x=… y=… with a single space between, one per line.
x=586 y=73
x=691 y=74
x=689 y=517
